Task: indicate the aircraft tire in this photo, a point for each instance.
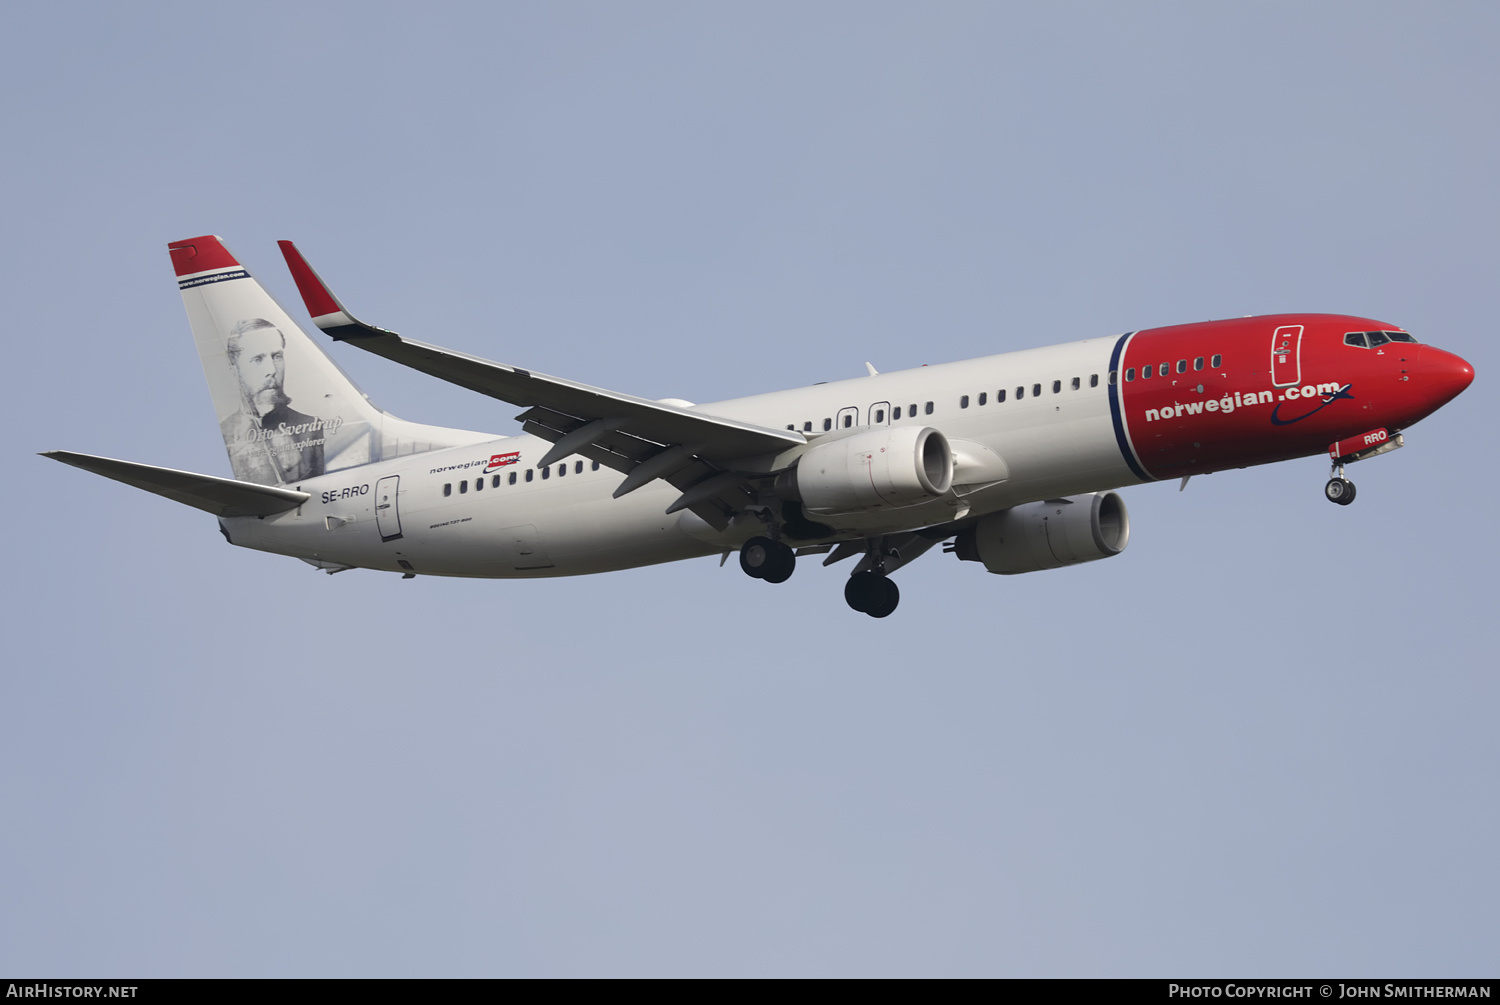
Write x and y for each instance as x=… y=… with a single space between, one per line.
x=1339 y=490
x=857 y=592
x=755 y=556
x=762 y=558
x=783 y=562
x=871 y=593
x=886 y=597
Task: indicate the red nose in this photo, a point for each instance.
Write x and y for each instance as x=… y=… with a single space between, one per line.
x=1443 y=374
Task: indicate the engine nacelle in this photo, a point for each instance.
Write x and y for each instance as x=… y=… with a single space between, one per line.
x=1048 y=535
x=874 y=469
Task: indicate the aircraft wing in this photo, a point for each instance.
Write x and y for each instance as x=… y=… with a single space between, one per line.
x=643 y=439
x=219 y=496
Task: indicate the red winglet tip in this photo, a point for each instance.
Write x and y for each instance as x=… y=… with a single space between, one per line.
x=200 y=254
x=315 y=294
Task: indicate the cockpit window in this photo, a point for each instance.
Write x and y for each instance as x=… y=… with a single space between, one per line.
x=1373 y=340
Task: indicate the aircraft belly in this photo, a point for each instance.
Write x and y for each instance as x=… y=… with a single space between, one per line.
x=560 y=530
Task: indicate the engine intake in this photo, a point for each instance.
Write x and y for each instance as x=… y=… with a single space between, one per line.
x=1048 y=535
x=873 y=469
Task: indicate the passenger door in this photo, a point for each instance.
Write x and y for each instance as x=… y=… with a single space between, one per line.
x=387 y=514
x=1286 y=356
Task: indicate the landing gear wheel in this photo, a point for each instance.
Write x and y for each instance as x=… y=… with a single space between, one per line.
x=871 y=593
x=856 y=592
x=1339 y=490
x=762 y=558
x=783 y=564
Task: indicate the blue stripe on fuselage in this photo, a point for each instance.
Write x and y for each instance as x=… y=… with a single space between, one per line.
x=1116 y=415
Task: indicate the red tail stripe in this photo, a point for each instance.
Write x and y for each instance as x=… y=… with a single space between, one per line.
x=200 y=254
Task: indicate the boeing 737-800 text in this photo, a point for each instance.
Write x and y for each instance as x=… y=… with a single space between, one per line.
x=1012 y=458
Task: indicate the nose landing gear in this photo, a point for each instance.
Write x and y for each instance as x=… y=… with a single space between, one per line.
x=1339 y=489
x=1356 y=448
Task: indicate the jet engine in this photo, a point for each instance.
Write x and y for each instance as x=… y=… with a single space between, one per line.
x=873 y=469
x=1048 y=535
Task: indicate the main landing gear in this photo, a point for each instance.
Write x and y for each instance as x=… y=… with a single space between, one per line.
x=872 y=593
x=763 y=558
x=1339 y=489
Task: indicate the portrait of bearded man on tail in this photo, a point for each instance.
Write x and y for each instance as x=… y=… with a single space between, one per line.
x=269 y=442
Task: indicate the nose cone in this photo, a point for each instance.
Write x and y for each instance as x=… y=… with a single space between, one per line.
x=1444 y=375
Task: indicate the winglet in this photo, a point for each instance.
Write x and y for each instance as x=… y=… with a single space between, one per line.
x=327 y=312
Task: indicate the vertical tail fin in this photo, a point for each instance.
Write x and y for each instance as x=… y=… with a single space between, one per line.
x=286 y=410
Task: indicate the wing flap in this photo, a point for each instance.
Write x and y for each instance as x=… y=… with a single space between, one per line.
x=219 y=496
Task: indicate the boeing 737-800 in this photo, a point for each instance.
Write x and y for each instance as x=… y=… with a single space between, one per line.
x=1012 y=458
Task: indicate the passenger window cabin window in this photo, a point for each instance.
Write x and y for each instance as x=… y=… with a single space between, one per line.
x=1094 y=379
x=1217 y=361
x=578 y=467
x=848 y=421
x=479 y=485
x=896 y=412
x=529 y=473
x=1165 y=369
x=562 y=469
x=463 y=486
x=1077 y=383
x=963 y=402
x=929 y=408
x=546 y=472
x=999 y=396
x=1057 y=387
x=984 y=397
x=495 y=482
x=595 y=467
x=1114 y=377
x=1146 y=372
x=1036 y=390
x=879 y=416
x=1198 y=363
x=827 y=425
x=912 y=411
x=792 y=426
x=448 y=489
x=1130 y=374
x=512 y=478
x=807 y=426
x=1020 y=393
x=1182 y=366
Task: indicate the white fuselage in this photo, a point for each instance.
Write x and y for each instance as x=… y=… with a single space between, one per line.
x=1055 y=443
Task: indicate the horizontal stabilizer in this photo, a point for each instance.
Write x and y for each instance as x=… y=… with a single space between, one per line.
x=219 y=496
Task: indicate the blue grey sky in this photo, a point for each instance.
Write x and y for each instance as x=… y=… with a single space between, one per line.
x=1259 y=742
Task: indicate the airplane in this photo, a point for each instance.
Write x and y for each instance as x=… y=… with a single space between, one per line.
x=1012 y=459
